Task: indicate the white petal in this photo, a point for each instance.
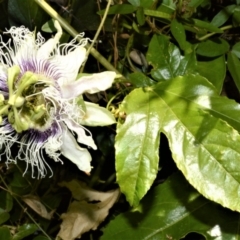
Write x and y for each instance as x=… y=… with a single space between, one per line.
x=79 y=130
x=45 y=50
x=70 y=149
x=70 y=64
x=3 y=70
x=97 y=116
x=90 y=84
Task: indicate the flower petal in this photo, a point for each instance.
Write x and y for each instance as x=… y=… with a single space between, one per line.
x=70 y=63
x=90 y=84
x=97 y=116
x=70 y=149
x=3 y=70
x=45 y=50
x=79 y=130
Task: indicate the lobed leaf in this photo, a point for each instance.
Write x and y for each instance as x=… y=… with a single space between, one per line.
x=171 y=211
x=201 y=143
x=136 y=146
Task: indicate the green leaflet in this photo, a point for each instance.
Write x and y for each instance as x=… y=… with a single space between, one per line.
x=233 y=67
x=218 y=71
x=179 y=34
x=220 y=18
x=142 y=3
x=200 y=141
x=167 y=61
x=5 y=233
x=171 y=211
x=213 y=48
x=236 y=49
x=139 y=79
x=24 y=231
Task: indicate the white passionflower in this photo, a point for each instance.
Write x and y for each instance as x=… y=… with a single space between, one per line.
x=40 y=100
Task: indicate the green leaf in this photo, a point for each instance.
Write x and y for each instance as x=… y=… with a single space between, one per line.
x=236 y=16
x=168 y=7
x=5 y=233
x=220 y=18
x=49 y=26
x=233 y=64
x=20 y=185
x=142 y=3
x=213 y=47
x=204 y=147
x=195 y=3
x=138 y=79
x=172 y=210
x=158 y=14
x=6 y=202
x=26 y=13
x=4 y=216
x=140 y=16
x=167 y=61
x=119 y=9
x=218 y=71
x=179 y=34
x=136 y=147
x=236 y=49
x=24 y=231
x=9 y=202
x=41 y=238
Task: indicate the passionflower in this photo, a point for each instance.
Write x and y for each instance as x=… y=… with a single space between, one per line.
x=41 y=104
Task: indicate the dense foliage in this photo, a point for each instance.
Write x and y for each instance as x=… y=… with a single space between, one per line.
x=170 y=167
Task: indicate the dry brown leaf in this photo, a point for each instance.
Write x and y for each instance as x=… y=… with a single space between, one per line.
x=82 y=215
x=34 y=203
x=81 y=192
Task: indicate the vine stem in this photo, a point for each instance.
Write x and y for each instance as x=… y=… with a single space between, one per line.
x=211 y=34
x=65 y=25
x=97 y=33
x=100 y=27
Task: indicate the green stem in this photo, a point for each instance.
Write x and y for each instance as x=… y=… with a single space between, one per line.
x=13 y=73
x=4 y=110
x=211 y=34
x=46 y=7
